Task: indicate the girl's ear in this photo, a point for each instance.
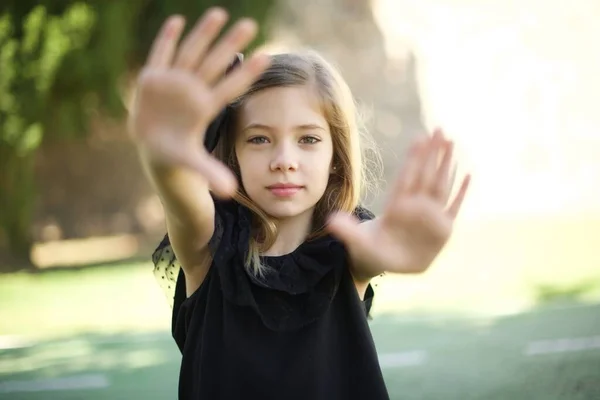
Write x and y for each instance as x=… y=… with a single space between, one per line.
x=332 y=169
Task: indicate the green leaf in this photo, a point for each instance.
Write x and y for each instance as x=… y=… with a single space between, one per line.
x=31 y=139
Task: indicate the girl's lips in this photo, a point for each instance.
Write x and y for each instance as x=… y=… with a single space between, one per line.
x=284 y=190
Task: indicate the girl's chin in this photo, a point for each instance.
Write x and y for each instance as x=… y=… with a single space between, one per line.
x=285 y=210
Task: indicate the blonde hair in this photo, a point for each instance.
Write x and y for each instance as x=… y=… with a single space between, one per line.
x=349 y=180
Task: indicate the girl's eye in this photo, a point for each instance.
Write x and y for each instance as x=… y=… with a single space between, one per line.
x=257 y=140
x=309 y=140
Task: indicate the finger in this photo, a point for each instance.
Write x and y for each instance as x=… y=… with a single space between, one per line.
x=460 y=196
x=426 y=181
x=216 y=61
x=451 y=182
x=219 y=177
x=240 y=79
x=195 y=45
x=165 y=43
x=407 y=178
x=442 y=184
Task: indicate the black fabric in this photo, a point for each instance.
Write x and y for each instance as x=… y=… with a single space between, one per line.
x=300 y=332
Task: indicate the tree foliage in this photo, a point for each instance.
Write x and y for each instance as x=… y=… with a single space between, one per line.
x=61 y=62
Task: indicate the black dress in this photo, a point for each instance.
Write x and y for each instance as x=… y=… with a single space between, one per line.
x=300 y=332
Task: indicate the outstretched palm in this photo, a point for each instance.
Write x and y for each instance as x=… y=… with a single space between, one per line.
x=182 y=88
x=418 y=218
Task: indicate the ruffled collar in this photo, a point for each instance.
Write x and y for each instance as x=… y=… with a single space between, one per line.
x=297 y=289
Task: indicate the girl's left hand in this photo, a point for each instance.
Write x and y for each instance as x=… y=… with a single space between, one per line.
x=418 y=217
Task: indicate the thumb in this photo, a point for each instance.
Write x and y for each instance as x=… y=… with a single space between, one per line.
x=346 y=228
x=219 y=177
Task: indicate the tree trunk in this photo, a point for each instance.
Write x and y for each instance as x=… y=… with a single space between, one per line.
x=16 y=207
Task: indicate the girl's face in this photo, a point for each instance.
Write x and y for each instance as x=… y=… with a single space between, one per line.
x=284 y=150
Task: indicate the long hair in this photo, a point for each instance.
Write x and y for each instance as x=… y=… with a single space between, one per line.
x=346 y=184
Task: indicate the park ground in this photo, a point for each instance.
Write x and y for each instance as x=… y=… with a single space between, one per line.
x=469 y=329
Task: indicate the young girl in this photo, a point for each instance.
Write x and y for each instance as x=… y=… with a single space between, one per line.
x=273 y=293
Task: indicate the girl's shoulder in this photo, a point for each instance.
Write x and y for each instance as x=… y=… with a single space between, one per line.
x=167 y=269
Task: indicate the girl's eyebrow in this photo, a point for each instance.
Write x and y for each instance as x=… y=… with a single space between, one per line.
x=303 y=127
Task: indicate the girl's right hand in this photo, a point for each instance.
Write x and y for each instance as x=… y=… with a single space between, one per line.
x=181 y=89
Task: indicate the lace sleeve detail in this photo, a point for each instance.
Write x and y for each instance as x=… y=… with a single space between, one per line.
x=166 y=269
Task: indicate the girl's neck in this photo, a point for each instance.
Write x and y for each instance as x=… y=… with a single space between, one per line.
x=291 y=233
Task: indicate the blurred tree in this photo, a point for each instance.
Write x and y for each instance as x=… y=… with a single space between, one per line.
x=61 y=63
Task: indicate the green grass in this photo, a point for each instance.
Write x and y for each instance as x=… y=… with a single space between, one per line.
x=134 y=367
x=119 y=298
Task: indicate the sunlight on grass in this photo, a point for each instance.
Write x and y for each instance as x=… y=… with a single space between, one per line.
x=54 y=360
x=47 y=356
x=108 y=299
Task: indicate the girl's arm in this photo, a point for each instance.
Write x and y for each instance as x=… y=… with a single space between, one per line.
x=180 y=90
x=189 y=213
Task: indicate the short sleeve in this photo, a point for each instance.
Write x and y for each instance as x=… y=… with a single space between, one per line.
x=167 y=269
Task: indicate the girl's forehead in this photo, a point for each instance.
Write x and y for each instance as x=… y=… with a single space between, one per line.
x=282 y=104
